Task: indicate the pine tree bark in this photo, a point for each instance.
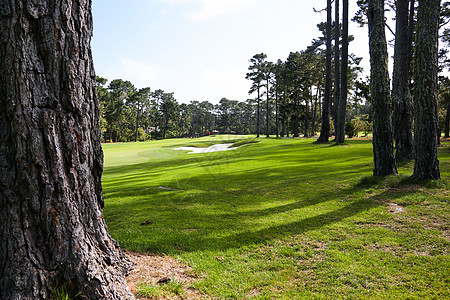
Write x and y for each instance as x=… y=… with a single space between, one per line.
x=342 y=106
x=51 y=226
x=325 y=129
x=337 y=65
x=401 y=96
x=426 y=164
x=383 y=147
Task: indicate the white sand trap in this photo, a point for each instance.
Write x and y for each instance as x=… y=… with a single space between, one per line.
x=213 y=148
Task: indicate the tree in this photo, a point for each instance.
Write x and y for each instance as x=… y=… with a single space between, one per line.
x=119 y=93
x=401 y=96
x=337 y=65
x=342 y=105
x=268 y=68
x=169 y=109
x=139 y=101
x=325 y=130
x=426 y=163
x=256 y=75
x=52 y=229
x=383 y=147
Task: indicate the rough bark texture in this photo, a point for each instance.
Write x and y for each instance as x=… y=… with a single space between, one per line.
x=51 y=227
x=383 y=146
x=342 y=107
x=325 y=129
x=337 y=65
x=401 y=96
x=426 y=165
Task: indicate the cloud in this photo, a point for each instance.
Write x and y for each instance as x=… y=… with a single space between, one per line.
x=212 y=8
x=140 y=73
x=227 y=83
x=208 y=9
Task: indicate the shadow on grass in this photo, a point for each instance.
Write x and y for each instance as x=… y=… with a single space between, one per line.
x=218 y=208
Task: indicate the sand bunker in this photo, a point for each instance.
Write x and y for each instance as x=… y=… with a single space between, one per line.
x=213 y=148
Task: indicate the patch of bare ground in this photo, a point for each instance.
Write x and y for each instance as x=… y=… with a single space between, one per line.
x=159 y=269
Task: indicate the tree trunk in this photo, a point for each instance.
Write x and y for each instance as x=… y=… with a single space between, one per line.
x=401 y=97
x=52 y=230
x=257 y=115
x=447 y=123
x=325 y=129
x=337 y=65
x=383 y=147
x=306 y=118
x=267 y=109
x=296 y=117
x=314 y=112
x=342 y=106
x=426 y=165
x=277 y=121
x=137 y=124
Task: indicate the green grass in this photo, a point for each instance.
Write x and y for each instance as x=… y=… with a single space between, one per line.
x=171 y=289
x=283 y=219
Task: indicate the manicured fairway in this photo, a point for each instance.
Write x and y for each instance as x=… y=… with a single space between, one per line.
x=282 y=219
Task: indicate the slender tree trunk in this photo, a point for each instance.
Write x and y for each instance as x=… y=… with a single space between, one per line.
x=325 y=129
x=52 y=229
x=137 y=124
x=342 y=106
x=277 y=121
x=314 y=112
x=337 y=65
x=447 y=123
x=383 y=147
x=426 y=164
x=257 y=115
x=306 y=118
x=267 y=110
x=401 y=97
x=296 y=117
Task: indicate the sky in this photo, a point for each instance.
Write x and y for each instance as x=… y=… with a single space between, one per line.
x=200 y=49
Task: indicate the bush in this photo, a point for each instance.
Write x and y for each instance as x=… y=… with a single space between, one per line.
x=350 y=129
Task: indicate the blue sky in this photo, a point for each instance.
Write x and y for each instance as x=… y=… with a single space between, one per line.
x=199 y=49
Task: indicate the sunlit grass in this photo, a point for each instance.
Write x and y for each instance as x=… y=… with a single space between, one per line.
x=287 y=218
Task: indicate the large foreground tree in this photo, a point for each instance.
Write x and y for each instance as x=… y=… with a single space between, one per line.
x=401 y=96
x=426 y=163
x=52 y=232
x=383 y=146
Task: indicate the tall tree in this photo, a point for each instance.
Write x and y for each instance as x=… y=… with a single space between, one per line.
x=139 y=101
x=426 y=163
x=119 y=92
x=256 y=75
x=401 y=96
x=325 y=130
x=383 y=147
x=169 y=109
x=52 y=230
x=268 y=76
x=342 y=105
x=337 y=64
